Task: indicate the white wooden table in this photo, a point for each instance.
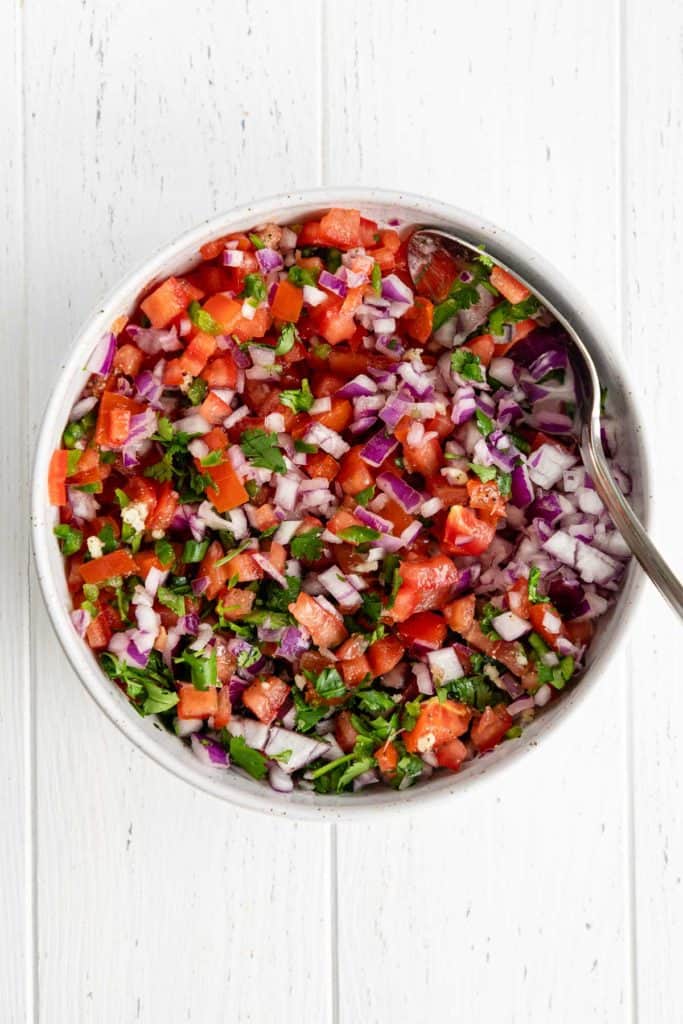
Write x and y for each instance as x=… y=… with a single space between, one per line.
x=125 y=895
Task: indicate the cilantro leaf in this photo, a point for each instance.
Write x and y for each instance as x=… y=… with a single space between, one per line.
x=485 y=473
x=203 y=670
x=307 y=715
x=329 y=684
x=353 y=771
x=301 y=276
x=298 y=401
x=467 y=364
x=277 y=598
x=176 y=602
x=374 y=701
x=307 y=545
x=372 y=605
x=532 y=586
x=158 y=700
x=244 y=756
x=359 y=534
x=254 y=288
x=262 y=450
x=287 y=340
x=484 y=422
x=203 y=320
x=71 y=539
x=197 y=391
x=506 y=313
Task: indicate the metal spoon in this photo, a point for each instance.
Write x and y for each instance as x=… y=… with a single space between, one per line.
x=421 y=250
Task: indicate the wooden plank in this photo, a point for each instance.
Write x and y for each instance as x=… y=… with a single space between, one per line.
x=16 y=838
x=511 y=903
x=651 y=84
x=156 y=903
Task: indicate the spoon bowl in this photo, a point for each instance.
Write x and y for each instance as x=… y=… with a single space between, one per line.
x=424 y=248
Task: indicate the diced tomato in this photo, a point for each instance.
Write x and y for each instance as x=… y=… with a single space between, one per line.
x=227 y=490
x=426 y=584
x=437 y=276
x=350 y=364
x=426 y=457
x=216 y=439
x=325 y=628
x=482 y=346
x=352 y=648
x=338 y=417
x=265 y=697
x=236 y=603
x=341 y=228
x=369 y=233
x=329 y=320
x=466 y=533
x=355 y=670
x=579 y=632
x=288 y=302
x=169 y=300
x=418 y=319
x=90 y=470
x=113 y=418
x=508 y=286
x=385 y=259
x=451 y=755
x=56 y=481
x=518 y=598
x=173 y=374
x=225 y=311
x=354 y=474
x=244 y=568
x=218 y=575
x=450 y=494
x=547 y=622
x=436 y=725
x=220 y=372
x=146 y=560
x=459 y=614
x=325 y=384
x=117 y=563
x=486 y=497
x=310 y=234
x=196 y=703
x=509 y=652
x=257 y=327
x=98 y=633
x=426 y=630
x=223 y=708
x=264 y=517
x=386 y=757
x=214 y=409
x=164 y=509
x=321 y=464
x=488 y=731
x=197 y=353
x=385 y=654
x=342 y=520
x=398 y=517
x=128 y=359
x=345 y=732
x=141 y=491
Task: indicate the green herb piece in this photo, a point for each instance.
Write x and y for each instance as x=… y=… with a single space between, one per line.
x=284 y=756
x=203 y=320
x=374 y=701
x=333 y=260
x=301 y=276
x=307 y=545
x=489 y=613
x=321 y=350
x=150 y=688
x=214 y=458
x=371 y=605
x=107 y=539
x=228 y=557
x=506 y=313
x=244 y=756
x=359 y=534
x=514 y=732
x=121 y=497
x=249 y=657
x=305 y=448
x=298 y=401
x=176 y=602
x=519 y=442
x=262 y=450
x=107 y=457
x=484 y=259
x=307 y=715
x=277 y=598
x=376 y=278
x=157 y=700
x=467 y=364
x=70 y=539
x=477 y=691
x=411 y=713
x=255 y=288
x=485 y=473
x=410 y=765
x=287 y=340
x=195 y=550
x=353 y=771
x=504 y=483
x=74 y=432
x=532 y=586
x=365 y=496
x=484 y=422
x=72 y=460
x=328 y=683
x=203 y=670
x=537 y=644
x=256 y=241
x=163 y=549
x=165 y=432
x=331 y=766
x=197 y=391
x=463 y=294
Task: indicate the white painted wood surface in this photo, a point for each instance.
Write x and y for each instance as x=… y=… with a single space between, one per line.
x=125 y=895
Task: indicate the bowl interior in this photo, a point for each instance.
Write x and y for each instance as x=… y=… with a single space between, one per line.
x=147 y=733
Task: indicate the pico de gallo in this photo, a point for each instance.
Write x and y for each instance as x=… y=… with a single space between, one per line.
x=329 y=524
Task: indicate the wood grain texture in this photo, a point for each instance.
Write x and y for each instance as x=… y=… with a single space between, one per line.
x=16 y=840
x=652 y=98
x=513 y=906
x=155 y=902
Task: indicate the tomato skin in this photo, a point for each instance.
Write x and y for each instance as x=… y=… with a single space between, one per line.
x=418 y=320
x=218 y=575
x=459 y=614
x=223 y=708
x=518 y=598
x=164 y=508
x=128 y=359
x=426 y=629
x=341 y=228
x=169 y=300
x=386 y=757
x=196 y=703
x=142 y=491
x=489 y=730
x=265 y=697
x=427 y=584
x=547 y=622
x=465 y=533
x=344 y=731
x=426 y=457
x=354 y=474
x=325 y=629
x=579 y=632
x=385 y=654
x=451 y=755
x=236 y=603
x=436 y=278
x=482 y=346
x=508 y=286
x=436 y=725
x=98 y=633
x=355 y=670
x=486 y=497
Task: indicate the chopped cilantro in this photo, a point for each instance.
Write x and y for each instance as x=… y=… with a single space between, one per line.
x=109 y=541
x=485 y=473
x=214 y=458
x=484 y=422
x=298 y=401
x=70 y=539
x=197 y=391
x=307 y=545
x=328 y=683
x=372 y=605
x=287 y=340
x=244 y=756
x=203 y=669
x=467 y=364
x=255 y=288
x=532 y=585
x=376 y=278
x=489 y=613
x=305 y=448
x=277 y=598
x=307 y=715
x=301 y=276
x=333 y=260
x=262 y=450
x=374 y=701
x=176 y=602
x=203 y=320
x=359 y=534
x=506 y=313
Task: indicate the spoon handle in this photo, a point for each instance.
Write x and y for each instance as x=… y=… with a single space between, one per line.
x=628 y=524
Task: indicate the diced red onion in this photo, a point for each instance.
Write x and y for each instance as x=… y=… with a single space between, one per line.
x=303 y=748
x=464 y=405
x=510 y=626
x=269 y=260
x=395 y=290
x=236 y=416
x=423 y=679
x=408 y=498
x=360 y=385
x=102 y=359
x=152 y=341
x=270 y=569
x=192 y=424
x=376 y=450
x=548 y=463
x=81 y=620
x=154 y=579
x=82 y=408
x=372 y=520
x=444 y=665
x=83 y=505
x=333 y=284
x=327 y=439
x=313 y=296
x=543 y=695
x=209 y=752
x=233 y=258
x=518 y=706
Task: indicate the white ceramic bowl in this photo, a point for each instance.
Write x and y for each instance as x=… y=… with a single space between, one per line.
x=178 y=257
